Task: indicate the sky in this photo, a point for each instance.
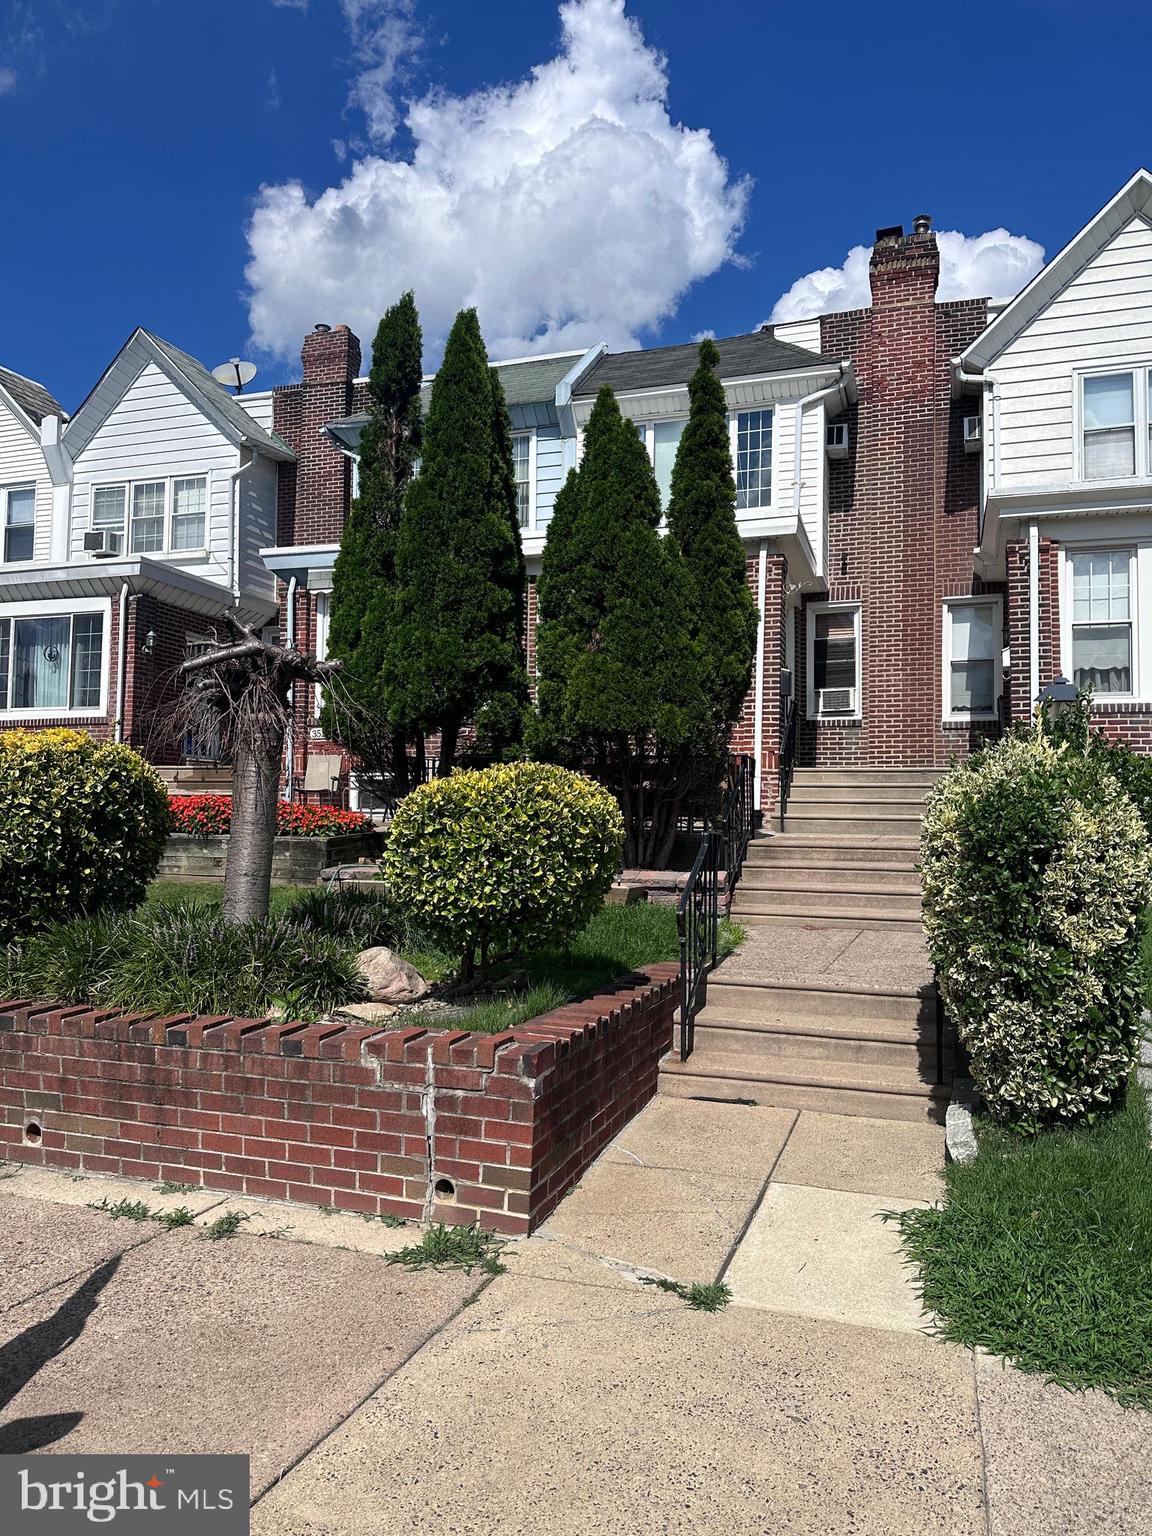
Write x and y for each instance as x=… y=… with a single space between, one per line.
x=228 y=173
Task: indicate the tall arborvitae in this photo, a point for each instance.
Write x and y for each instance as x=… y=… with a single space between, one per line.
x=455 y=654
x=500 y=719
x=620 y=672
x=702 y=521
x=364 y=577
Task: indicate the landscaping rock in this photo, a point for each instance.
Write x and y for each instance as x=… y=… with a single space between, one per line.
x=960 y=1144
x=388 y=976
x=368 y=1013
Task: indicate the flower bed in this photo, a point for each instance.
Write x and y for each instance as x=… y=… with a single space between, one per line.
x=211 y=816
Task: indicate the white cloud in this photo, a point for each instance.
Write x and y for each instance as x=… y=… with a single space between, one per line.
x=568 y=207
x=384 y=39
x=994 y=265
x=7 y=79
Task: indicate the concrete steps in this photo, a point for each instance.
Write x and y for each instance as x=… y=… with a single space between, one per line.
x=845 y=859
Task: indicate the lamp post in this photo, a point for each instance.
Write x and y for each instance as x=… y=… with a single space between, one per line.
x=1058 y=697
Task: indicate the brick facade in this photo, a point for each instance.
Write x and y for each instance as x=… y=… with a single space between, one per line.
x=454 y=1127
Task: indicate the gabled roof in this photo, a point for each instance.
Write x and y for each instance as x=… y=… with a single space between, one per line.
x=1133 y=200
x=32 y=398
x=189 y=376
x=741 y=357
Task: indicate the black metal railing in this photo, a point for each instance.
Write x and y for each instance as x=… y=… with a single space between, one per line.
x=787 y=753
x=697 y=923
x=738 y=820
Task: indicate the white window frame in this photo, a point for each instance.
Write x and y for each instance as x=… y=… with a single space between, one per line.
x=166 y=551
x=733 y=447
x=1139 y=606
x=948 y=715
x=530 y=525
x=1141 y=421
x=646 y=432
x=71 y=609
x=5 y=492
x=856 y=608
x=323 y=623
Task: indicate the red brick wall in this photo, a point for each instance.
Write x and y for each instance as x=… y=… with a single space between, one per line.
x=361 y=1119
x=314 y=493
x=903 y=512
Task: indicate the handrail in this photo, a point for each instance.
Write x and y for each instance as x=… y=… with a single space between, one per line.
x=697 y=925
x=738 y=819
x=787 y=756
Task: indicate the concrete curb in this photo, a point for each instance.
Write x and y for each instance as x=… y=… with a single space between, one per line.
x=960 y=1144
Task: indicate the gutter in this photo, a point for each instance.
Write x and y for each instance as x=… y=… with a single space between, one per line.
x=990 y=460
x=121 y=663
x=234 y=551
x=1033 y=611
x=290 y=636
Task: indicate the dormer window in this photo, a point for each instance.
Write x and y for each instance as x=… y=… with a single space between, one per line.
x=18 y=505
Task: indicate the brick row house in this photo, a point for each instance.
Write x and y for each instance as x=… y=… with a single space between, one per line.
x=943 y=506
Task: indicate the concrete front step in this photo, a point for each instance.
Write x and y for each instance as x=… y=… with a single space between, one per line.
x=906 y=1006
x=770 y=897
x=764 y=916
x=791 y=848
x=857 y=777
x=762 y=1048
x=823 y=823
x=781 y=876
x=895 y=795
x=879 y=1093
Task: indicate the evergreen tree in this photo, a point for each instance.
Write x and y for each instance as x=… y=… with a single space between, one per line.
x=702 y=521
x=455 y=653
x=620 y=672
x=364 y=578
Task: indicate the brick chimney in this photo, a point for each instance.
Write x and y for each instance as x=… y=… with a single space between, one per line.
x=904 y=269
x=331 y=355
x=315 y=491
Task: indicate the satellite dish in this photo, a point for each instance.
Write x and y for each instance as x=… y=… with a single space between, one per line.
x=234 y=374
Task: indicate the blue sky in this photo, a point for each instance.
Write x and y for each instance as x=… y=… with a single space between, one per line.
x=669 y=172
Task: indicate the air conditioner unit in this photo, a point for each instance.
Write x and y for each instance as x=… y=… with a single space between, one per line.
x=94 y=545
x=835 y=701
x=836 y=440
x=973 y=434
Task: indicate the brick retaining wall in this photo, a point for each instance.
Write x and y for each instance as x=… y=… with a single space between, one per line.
x=418 y=1123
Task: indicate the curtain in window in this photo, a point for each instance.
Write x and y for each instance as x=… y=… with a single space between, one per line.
x=834 y=650
x=40 y=664
x=189 y=500
x=20 y=529
x=1102 y=620
x=1109 y=430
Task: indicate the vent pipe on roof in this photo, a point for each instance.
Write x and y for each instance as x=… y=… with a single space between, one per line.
x=322 y=328
x=922 y=223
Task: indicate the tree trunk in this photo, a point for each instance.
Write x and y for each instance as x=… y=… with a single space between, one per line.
x=421 y=757
x=248 y=872
x=449 y=736
x=399 y=762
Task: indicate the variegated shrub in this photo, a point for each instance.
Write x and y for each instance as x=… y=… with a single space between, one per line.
x=1037 y=874
x=501 y=860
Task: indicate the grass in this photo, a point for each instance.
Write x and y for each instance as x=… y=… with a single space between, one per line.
x=1042 y=1252
x=442 y=1247
x=712 y=1297
x=1146 y=957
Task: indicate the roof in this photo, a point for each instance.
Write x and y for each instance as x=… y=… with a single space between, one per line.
x=1133 y=199
x=32 y=398
x=189 y=376
x=664 y=367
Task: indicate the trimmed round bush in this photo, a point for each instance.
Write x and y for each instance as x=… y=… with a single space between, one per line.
x=1037 y=874
x=82 y=828
x=502 y=860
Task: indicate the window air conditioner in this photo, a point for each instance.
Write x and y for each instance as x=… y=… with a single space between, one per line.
x=973 y=434
x=836 y=440
x=836 y=701
x=94 y=545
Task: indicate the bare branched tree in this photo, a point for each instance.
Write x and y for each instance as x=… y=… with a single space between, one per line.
x=242 y=692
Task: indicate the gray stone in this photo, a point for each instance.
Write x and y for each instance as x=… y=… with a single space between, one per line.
x=388 y=976
x=368 y=1013
x=960 y=1144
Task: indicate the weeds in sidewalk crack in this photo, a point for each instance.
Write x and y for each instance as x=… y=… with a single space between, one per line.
x=443 y=1247
x=701 y=1298
x=225 y=1226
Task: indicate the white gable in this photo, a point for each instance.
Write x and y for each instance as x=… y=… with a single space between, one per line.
x=22 y=463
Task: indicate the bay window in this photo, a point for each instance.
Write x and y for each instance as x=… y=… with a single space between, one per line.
x=1102 y=612
x=972 y=648
x=18 y=505
x=52 y=662
x=753 y=459
x=1116 y=424
x=151 y=517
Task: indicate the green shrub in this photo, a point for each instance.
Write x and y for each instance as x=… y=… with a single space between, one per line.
x=503 y=860
x=1036 y=875
x=365 y=917
x=82 y=827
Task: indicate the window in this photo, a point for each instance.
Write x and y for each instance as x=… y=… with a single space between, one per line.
x=972 y=646
x=1109 y=427
x=323 y=603
x=150 y=517
x=522 y=469
x=833 y=660
x=19 y=507
x=189 y=497
x=52 y=662
x=1102 y=607
x=666 y=437
x=753 y=459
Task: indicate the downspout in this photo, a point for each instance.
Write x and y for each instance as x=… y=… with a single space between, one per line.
x=121 y=662
x=990 y=383
x=290 y=636
x=1033 y=613
x=234 y=551
x=758 y=717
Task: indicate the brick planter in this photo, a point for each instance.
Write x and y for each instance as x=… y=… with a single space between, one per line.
x=417 y=1123
x=295 y=860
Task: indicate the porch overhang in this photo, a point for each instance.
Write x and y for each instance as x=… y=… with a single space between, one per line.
x=1007 y=514
x=310 y=564
x=107 y=578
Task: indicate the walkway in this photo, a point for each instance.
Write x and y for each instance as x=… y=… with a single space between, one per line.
x=568 y=1397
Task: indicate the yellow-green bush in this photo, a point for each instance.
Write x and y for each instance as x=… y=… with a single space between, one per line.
x=82 y=827
x=1037 y=874
x=502 y=860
